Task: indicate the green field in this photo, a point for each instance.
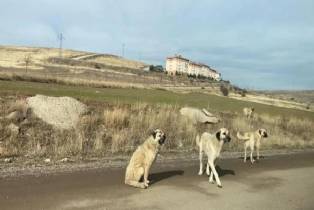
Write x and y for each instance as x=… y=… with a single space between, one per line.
x=113 y=95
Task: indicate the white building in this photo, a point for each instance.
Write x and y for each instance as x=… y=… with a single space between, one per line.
x=180 y=65
x=177 y=65
x=194 y=68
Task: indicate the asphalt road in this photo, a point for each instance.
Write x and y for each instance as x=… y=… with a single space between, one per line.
x=277 y=182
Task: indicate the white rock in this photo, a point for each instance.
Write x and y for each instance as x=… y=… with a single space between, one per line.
x=61 y=112
x=197 y=115
x=64 y=160
x=47 y=160
x=8 y=160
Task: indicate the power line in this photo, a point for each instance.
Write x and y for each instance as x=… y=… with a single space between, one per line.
x=123 y=48
x=61 y=38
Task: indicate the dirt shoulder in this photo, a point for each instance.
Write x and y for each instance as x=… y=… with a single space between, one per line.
x=25 y=166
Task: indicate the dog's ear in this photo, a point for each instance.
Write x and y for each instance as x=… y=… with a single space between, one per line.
x=259 y=131
x=153 y=133
x=218 y=135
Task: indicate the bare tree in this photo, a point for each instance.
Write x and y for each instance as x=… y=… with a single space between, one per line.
x=27 y=61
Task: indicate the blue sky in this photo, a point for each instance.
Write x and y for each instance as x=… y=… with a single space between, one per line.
x=257 y=44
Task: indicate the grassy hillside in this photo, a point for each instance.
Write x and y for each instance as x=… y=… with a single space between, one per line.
x=303 y=96
x=120 y=119
x=152 y=96
x=12 y=56
x=117 y=61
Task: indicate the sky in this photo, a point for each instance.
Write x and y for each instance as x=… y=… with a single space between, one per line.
x=256 y=44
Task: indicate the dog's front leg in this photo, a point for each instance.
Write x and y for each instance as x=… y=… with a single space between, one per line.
x=252 y=150
x=207 y=169
x=211 y=178
x=146 y=172
x=201 y=163
x=244 y=160
x=257 y=153
x=212 y=167
x=210 y=173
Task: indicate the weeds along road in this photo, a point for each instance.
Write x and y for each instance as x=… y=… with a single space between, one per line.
x=278 y=182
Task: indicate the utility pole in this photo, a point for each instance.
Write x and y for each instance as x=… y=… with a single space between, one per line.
x=139 y=55
x=123 y=48
x=61 y=38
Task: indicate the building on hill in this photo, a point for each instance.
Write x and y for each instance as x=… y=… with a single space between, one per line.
x=195 y=69
x=215 y=75
x=180 y=65
x=177 y=65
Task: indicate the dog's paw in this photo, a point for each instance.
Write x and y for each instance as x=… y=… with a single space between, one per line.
x=207 y=172
x=220 y=186
x=200 y=173
x=143 y=186
x=146 y=183
x=211 y=181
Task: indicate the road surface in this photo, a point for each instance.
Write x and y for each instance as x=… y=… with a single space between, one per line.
x=278 y=182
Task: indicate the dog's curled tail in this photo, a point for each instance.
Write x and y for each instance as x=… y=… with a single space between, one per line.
x=198 y=140
x=243 y=137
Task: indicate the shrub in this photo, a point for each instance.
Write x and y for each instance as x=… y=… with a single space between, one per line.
x=224 y=90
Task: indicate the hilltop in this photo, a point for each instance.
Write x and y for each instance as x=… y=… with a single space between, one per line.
x=86 y=68
x=91 y=69
x=14 y=57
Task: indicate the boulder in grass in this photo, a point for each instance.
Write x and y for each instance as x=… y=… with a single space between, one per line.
x=198 y=115
x=60 y=112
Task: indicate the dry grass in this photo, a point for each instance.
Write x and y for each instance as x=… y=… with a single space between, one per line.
x=68 y=80
x=119 y=128
x=15 y=56
x=118 y=61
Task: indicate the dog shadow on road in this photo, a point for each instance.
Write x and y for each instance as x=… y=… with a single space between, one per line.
x=223 y=172
x=156 y=177
x=255 y=158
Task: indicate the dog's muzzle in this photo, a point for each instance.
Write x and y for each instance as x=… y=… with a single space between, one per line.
x=265 y=135
x=161 y=141
x=228 y=139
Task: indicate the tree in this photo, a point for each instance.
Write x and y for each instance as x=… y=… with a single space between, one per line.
x=224 y=90
x=27 y=61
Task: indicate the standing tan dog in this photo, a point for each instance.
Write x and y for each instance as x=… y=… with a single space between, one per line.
x=248 y=111
x=211 y=145
x=252 y=139
x=142 y=160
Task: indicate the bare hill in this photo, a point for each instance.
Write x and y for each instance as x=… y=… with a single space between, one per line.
x=12 y=56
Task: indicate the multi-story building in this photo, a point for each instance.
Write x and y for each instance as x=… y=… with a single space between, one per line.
x=180 y=65
x=177 y=65
x=194 y=68
x=215 y=75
